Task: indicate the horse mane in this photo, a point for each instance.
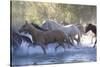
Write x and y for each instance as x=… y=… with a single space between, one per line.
x=32 y=27
x=38 y=27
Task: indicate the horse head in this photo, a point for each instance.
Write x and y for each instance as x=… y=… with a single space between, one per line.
x=88 y=27
x=25 y=28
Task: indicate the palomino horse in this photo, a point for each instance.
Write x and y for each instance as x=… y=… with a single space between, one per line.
x=70 y=30
x=45 y=37
x=93 y=29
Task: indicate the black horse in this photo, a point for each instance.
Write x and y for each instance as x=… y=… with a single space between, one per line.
x=93 y=29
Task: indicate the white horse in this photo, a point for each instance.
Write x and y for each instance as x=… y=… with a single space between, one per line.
x=70 y=30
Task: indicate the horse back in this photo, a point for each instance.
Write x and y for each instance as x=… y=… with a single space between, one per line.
x=56 y=34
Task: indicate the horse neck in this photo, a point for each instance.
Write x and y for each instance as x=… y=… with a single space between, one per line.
x=40 y=28
x=35 y=31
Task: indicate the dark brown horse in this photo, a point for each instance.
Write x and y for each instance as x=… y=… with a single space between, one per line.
x=44 y=37
x=93 y=29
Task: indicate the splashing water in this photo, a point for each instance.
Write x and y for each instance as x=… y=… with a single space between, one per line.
x=34 y=55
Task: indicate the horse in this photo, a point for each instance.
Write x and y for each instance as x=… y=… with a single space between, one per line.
x=16 y=39
x=42 y=38
x=70 y=30
x=42 y=29
x=93 y=29
x=51 y=24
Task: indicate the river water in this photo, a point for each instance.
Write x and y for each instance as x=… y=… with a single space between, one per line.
x=24 y=55
x=35 y=56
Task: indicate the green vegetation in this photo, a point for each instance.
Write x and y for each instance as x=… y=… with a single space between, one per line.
x=39 y=11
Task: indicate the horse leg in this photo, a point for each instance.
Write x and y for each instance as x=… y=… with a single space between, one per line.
x=69 y=42
x=95 y=44
x=56 y=47
x=43 y=48
x=78 y=40
x=63 y=46
x=60 y=44
x=30 y=44
x=34 y=44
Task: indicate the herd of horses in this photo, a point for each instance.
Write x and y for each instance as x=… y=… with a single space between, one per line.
x=50 y=32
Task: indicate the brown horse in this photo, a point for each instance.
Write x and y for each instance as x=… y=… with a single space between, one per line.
x=42 y=29
x=45 y=37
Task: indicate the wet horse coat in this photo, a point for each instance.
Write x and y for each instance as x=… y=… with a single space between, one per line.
x=44 y=37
